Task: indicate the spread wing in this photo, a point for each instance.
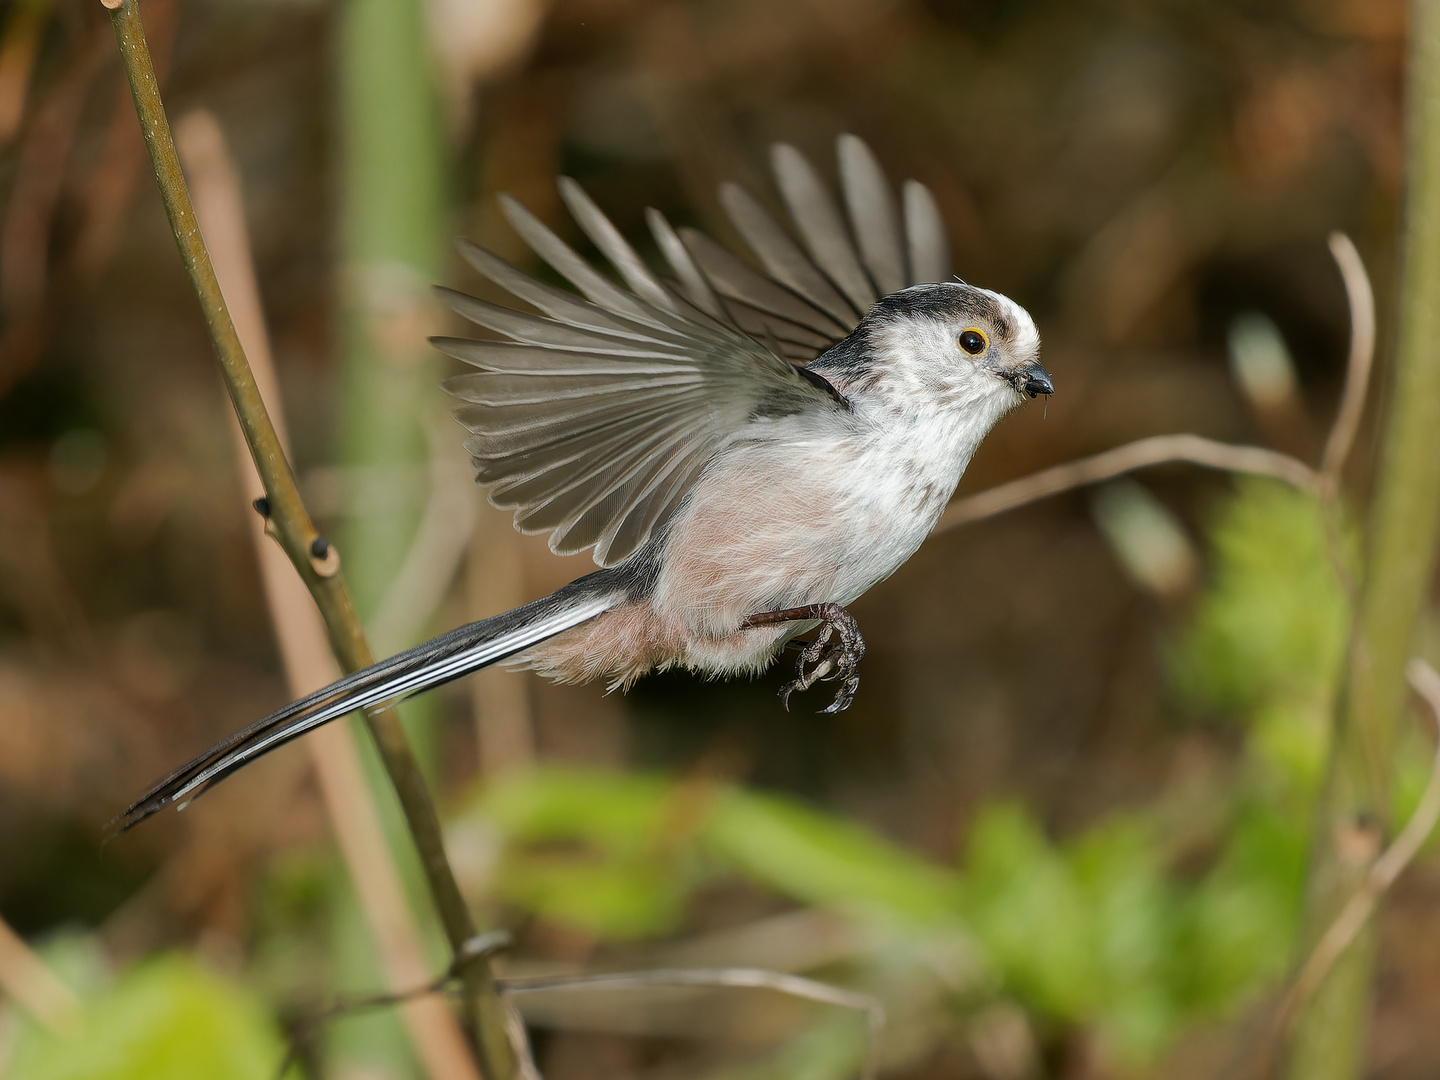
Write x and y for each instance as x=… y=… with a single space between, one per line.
x=597 y=416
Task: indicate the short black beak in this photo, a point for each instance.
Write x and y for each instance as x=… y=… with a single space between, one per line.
x=1033 y=379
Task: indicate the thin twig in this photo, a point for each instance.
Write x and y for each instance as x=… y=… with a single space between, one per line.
x=1141 y=454
x=314 y=558
x=737 y=977
x=478 y=947
x=1402 y=532
x=1361 y=298
x=746 y=978
x=520 y=1042
x=1352 y=918
x=309 y=1024
x=35 y=988
x=434 y=1031
x=106 y=193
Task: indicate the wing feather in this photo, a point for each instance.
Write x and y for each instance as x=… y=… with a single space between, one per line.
x=561 y=508
x=780 y=257
x=696 y=287
x=553 y=333
x=872 y=215
x=507 y=466
x=516 y=425
x=925 y=235
x=595 y=515
x=517 y=358
x=565 y=475
x=672 y=478
x=503 y=389
x=598 y=414
x=764 y=326
x=733 y=279
x=607 y=238
x=820 y=225
x=556 y=303
x=564 y=261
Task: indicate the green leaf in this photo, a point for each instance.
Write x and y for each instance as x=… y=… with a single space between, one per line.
x=824 y=860
x=615 y=812
x=1029 y=912
x=618 y=901
x=1272 y=624
x=165 y=1019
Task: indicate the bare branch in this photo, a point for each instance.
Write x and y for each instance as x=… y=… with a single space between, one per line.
x=434 y=1030
x=1141 y=454
x=1362 y=358
x=1352 y=918
x=744 y=978
x=317 y=564
x=749 y=978
x=35 y=988
x=520 y=1042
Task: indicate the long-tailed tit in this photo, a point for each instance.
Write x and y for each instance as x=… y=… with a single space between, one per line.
x=744 y=452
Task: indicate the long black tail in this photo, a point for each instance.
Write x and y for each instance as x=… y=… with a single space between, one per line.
x=436 y=662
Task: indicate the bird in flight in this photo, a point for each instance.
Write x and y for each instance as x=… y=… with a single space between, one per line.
x=744 y=451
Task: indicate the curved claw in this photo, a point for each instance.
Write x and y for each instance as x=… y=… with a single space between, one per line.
x=835 y=653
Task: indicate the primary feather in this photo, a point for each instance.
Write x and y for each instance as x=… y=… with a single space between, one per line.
x=600 y=414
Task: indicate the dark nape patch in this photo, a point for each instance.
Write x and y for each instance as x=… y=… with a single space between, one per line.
x=947 y=301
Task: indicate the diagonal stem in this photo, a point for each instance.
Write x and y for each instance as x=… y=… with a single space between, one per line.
x=312 y=555
x=1403 y=526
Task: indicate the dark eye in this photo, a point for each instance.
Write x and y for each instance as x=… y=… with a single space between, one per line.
x=973 y=342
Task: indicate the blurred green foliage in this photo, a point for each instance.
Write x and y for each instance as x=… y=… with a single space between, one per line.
x=167 y=1018
x=1147 y=922
x=1144 y=924
x=1266 y=641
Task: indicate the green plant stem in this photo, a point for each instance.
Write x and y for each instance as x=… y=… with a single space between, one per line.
x=291 y=525
x=392 y=195
x=1404 y=522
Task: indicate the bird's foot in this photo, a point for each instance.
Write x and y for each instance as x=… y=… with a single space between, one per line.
x=835 y=653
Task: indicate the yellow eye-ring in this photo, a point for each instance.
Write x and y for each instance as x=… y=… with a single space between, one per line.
x=973 y=341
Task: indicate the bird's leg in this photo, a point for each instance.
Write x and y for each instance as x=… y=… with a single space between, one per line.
x=823 y=658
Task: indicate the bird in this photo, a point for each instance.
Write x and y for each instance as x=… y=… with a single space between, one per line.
x=744 y=451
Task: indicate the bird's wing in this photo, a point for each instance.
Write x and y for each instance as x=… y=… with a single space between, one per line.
x=813 y=293
x=598 y=415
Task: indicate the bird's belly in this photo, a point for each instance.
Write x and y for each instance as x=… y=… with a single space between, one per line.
x=770 y=530
x=818 y=523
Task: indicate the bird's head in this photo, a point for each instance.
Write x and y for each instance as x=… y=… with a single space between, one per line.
x=958 y=341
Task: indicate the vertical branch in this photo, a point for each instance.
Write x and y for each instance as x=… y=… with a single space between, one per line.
x=434 y=1031
x=391 y=227
x=312 y=555
x=1329 y=1037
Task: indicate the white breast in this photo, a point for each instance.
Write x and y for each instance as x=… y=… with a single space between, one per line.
x=813 y=509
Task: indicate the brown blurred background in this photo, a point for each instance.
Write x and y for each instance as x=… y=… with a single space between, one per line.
x=1138 y=173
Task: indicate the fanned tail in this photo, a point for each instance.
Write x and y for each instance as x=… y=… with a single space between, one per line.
x=436 y=662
